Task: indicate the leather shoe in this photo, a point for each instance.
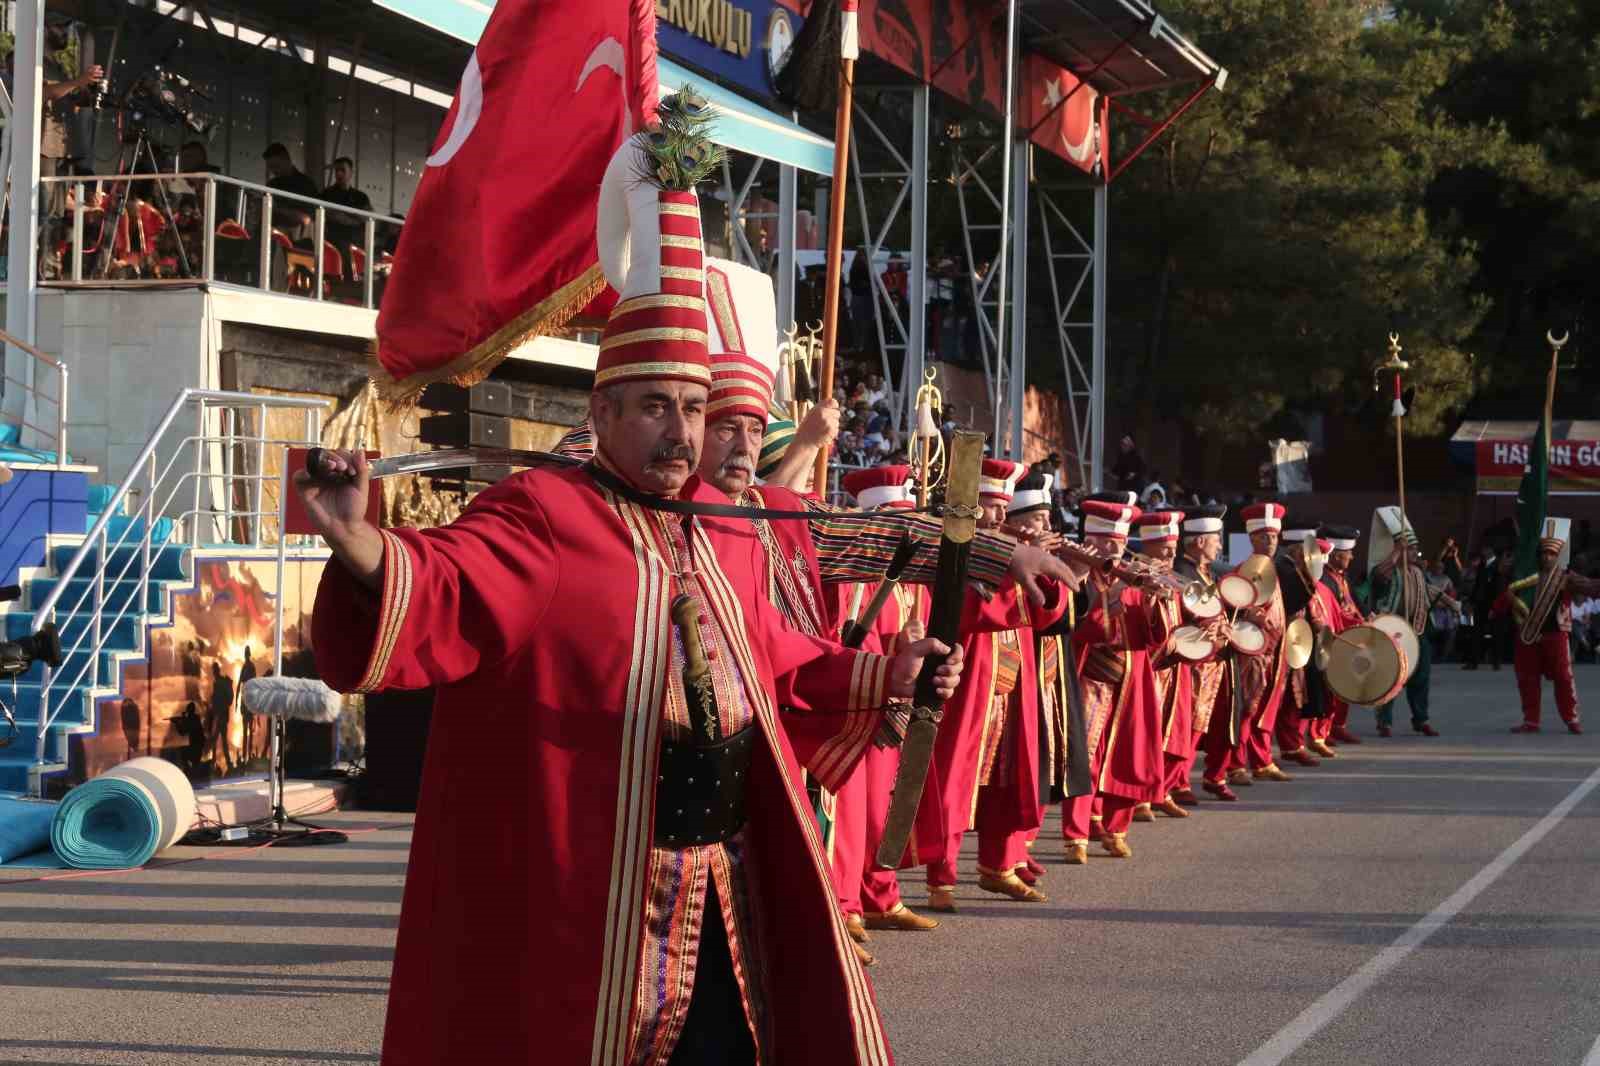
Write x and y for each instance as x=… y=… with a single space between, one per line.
x=1525 y=727
x=1239 y=777
x=901 y=919
x=1323 y=749
x=942 y=898
x=1029 y=873
x=1270 y=772
x=1116 y=845
x=1574 y=727
x=1011 y=885
x=1186 y=797
x=857 y=931
x=1344 y=736
x=1143 y=813
x=1303 y=757
x=1385 y=731
x=1425 y=730
x=1220 y=790
x=863 y=956
x=1077 y=854
x=1170 y=808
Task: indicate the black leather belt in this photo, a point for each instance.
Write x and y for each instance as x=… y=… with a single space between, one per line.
x=700 y=789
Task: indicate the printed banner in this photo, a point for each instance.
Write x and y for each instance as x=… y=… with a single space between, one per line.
x=739 y=42
x=1574 y=466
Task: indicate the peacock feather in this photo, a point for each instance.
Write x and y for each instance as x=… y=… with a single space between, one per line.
x=677 y=153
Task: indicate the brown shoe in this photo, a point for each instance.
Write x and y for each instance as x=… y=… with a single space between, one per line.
x=1240 y=777
x=1322 y=749
x=942 y=898
x=1186 y=797
x=1575 y=726
x=1344 y=736
x=1170 y=808
x=858 y=932
x=1385 y=731
x=901 y=919
x=1143 y=813
x=1270 y=772
x=1009 y=884
x=1116 y=845
x=1423 y=729
x=1303 y=757
x=863 y=956
x=1077 y=854
x=1096 y=829
x=1220 y=790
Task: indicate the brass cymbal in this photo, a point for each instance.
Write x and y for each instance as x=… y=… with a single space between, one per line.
x=1298 y=640
x=1260 y=572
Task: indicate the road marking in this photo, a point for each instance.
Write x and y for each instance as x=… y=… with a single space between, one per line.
x=1293 y=1036
x=1593 y=1058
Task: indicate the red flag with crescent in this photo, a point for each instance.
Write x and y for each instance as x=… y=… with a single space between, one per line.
x=1067 y=118
x=499 y=246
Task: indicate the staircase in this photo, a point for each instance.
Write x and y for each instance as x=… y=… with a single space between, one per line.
x=109 y=577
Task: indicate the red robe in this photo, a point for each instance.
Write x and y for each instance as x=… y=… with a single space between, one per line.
x=541 y=616
x=962 y=736
x=1261 y=677
x=1174 y=684
x=1122 y=718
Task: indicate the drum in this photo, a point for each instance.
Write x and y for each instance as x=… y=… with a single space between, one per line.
x=1248 y=639
x=1237 y=592
x=1201 y=600
x=1404 y=635
x=1367 y=666
x=1192 y=644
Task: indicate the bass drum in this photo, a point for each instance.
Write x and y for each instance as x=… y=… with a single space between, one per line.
x=1192 y=644
x=1366 y=666
x=1404 y=635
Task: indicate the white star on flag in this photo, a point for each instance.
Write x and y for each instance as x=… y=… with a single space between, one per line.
x=1052 y=92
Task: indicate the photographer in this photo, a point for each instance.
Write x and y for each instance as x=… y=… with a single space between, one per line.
x=58 y=86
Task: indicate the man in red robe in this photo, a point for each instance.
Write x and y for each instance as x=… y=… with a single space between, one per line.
x=1174 y=680
x=1544 y=635
x=1305 y=697
x=986 y=756
x=1259 y=677
x=1116 y=632
x=1341 y=552
x=1212 y=696
x=619 y=648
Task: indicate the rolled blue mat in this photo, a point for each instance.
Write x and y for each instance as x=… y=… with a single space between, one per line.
x=123 y=817
x=24 y=827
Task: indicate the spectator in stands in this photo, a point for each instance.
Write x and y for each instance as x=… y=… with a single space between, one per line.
x=193 y=159
x=291 y=216
x=875 y=390
x=1129 y=469
x=54 y=158
x=341 y=230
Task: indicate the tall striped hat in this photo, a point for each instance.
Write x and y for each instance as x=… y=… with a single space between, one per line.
x=1159 y=525
x=1102 y=519
x=651 y=252
x=998 y=480
x=742 y=338
x=775 y=442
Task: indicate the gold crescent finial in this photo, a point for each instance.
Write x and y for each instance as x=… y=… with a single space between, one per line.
x=1556 y=342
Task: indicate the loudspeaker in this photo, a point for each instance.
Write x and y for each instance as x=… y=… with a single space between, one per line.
x=397 y=741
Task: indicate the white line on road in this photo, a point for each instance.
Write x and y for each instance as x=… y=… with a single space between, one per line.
x=1593 y=1058
x=1291 y=1037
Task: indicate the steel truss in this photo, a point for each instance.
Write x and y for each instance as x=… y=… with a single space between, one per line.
x=1075 y=264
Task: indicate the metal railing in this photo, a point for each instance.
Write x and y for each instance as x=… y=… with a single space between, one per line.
x=217 y=445
x=58 y=435
x=153 y=230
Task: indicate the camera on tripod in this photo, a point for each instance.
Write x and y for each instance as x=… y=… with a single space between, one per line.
x=17 y=656
x=165 y=95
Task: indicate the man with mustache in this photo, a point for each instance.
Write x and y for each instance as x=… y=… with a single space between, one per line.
x=630 y=656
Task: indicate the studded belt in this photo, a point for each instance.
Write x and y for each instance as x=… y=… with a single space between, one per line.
x=700 y=789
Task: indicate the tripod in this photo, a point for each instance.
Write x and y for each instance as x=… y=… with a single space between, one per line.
x=139 y=147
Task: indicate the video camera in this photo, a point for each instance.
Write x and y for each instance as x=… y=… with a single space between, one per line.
x=17 y=656
x=168 y=96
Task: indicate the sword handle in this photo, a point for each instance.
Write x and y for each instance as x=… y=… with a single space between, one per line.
x=317 y=468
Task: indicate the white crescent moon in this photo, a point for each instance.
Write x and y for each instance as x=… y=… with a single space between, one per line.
x=469 y=101
x=609 y=54
x=1081 y=151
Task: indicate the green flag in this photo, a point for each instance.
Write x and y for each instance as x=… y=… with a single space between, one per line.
x=1532 y=497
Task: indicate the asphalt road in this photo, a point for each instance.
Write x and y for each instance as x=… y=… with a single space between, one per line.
x=1421 y=901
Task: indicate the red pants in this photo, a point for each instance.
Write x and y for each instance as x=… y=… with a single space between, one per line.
x=1320 y=728
x=1179 y=767
x=1292 y=730
x=1116 y=816
x=850 y=854
x=1552 y=658
x=1221 y=756
x=1001 y=847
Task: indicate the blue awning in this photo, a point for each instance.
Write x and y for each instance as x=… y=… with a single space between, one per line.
x=742 y=125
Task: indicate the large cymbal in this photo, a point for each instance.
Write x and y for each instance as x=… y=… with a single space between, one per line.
x=1260 y=572
x=1298 y=641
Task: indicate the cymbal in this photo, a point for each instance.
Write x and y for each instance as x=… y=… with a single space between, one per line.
x=1298 y=640
x=1260 y=572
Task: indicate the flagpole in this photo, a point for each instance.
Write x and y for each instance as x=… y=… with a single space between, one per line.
x=1397 y=364
x=1556 y=344
x=830 y=306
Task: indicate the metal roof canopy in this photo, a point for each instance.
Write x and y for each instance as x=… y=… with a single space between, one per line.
x=1119 y=48
x=1495 y=429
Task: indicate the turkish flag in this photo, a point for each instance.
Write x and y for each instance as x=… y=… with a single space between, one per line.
x=500 y=243
x=1070 y=117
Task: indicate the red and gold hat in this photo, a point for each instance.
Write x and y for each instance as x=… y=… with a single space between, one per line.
x=1160 y=525
x=650 y=249
x=742 y=316
x=880 y=486
x=1553 y=537
x=1103 y=519
x=997 y=481
x=1263 y=516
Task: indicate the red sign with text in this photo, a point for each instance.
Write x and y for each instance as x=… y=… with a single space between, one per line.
x=1574 y=466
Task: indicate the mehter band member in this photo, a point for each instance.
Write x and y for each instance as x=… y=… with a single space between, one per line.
x=1398 y=585
x=1341 y=552
x=605 y=899
x=1544 y=634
